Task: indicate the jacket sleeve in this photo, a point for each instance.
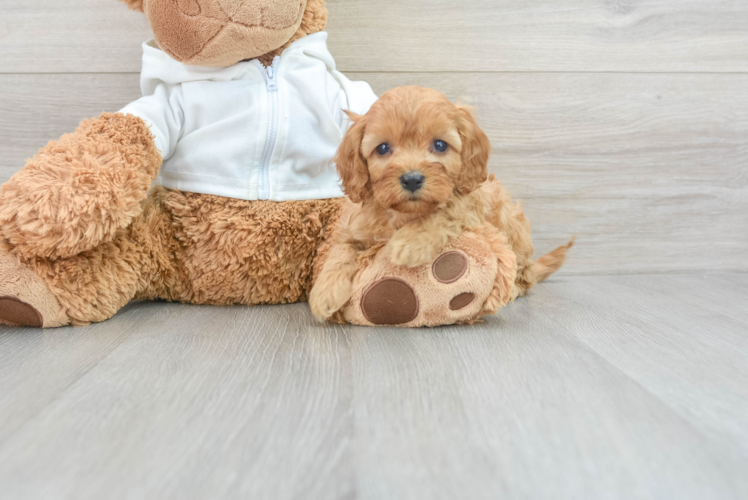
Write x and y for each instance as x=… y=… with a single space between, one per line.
x=163 y=112
x=359 y=95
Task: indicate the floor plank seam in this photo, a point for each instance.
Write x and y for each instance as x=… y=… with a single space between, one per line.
x=690 y=422
x=65 y=390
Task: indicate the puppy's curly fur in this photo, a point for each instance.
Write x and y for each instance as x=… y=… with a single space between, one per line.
x=412 y=131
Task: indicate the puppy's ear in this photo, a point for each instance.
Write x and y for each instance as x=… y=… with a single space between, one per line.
x=134 y=4
x=476 y=149
x=350 y=162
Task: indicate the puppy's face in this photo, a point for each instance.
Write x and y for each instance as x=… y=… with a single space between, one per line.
x=412 y=152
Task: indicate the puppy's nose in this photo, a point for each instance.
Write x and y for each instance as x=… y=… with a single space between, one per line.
x=412 y=181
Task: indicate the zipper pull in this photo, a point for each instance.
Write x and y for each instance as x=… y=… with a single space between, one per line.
x=272 y=82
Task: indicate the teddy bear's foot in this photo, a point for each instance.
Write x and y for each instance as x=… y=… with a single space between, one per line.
x=453 y=289
x=25 y=299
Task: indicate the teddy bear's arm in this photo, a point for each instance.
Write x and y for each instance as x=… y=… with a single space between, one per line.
x=80 y=190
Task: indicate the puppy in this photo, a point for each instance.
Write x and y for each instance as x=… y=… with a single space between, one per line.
x=414 y=169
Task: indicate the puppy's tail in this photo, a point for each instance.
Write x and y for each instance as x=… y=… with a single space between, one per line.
x=551 y=262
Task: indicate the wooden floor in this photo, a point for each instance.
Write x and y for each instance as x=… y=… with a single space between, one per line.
x=630 y=387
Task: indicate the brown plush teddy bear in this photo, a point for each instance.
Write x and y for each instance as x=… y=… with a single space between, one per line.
x=242 y=112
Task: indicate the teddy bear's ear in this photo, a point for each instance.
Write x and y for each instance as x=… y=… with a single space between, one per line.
x=134 y=4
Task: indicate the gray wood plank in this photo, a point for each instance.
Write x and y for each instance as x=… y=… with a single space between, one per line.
x=561 y=395
x=42 y=36
x=540 y=35
x=76 y=36
x=649 y=171
x=35 y=109
x=519 y=408
x=36 y=366
x=681 y=341
x=199 y=403
x=725 y=294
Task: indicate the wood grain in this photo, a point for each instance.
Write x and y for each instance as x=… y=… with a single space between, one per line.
x=76 y=36
x=35 y=109
x=678 y=329
x=649 y=171
x=590 y=387
x=462 y=399
x=82 y=36
x=200 y=402
x=63 y=357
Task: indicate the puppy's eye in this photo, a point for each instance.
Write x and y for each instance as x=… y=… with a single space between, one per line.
x=440 y=146
x=383 y=149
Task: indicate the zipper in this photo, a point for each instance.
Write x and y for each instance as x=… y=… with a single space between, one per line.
x=271 y=79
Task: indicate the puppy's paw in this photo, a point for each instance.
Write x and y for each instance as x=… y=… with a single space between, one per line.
x=412 y=252
x=327 y=299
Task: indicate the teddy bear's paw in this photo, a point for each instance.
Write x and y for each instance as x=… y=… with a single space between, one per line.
x=25 y=299
x=15 y=312
x=450 y=289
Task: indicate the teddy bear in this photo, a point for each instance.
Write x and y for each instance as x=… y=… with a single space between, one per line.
x=217 y=187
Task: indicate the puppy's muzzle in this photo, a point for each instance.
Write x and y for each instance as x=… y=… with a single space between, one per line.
x=412 y=181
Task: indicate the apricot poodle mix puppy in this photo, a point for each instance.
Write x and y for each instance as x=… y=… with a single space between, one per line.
x=414 y=169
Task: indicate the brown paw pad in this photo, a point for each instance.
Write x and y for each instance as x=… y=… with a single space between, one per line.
x=19 y=313
x=450 y=267
x=461 y=301
x=389 y=301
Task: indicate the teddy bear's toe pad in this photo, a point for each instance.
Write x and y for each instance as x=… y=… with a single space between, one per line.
x=19 y=313
x=450 y=267
x=461 y=301
x=390 y=301
x=25 y=298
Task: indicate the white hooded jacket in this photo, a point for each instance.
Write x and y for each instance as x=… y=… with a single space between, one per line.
x=248 y=131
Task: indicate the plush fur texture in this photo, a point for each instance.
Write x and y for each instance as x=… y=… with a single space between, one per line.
x=80 y=235
x=313 y=21
x=489 y=275
x=27 y=295
x=198 y=249
x=80 y=190
x=434 y=296
x=401 y=136
x=220 y=33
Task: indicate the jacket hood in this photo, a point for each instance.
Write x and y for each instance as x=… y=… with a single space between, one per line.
x=159 y=67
